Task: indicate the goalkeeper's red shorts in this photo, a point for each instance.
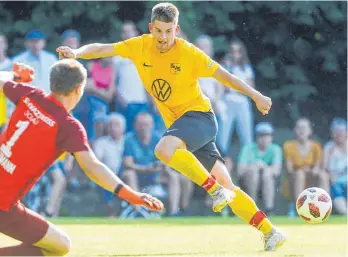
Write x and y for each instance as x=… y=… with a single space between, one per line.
x=23 y=224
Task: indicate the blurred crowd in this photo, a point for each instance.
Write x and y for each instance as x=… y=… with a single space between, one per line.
x=123 y=127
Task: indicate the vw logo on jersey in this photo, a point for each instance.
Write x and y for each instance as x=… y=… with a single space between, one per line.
x=161 y=89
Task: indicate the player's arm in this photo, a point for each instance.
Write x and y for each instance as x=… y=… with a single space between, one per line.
x=90 y=51
x=20 y=73
x=262 y=102
x=104 y=177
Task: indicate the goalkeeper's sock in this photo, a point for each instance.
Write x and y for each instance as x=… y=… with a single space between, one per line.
x=245 y=208
x=187 y=164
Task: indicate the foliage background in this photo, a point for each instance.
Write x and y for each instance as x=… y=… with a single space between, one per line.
x=298 y=49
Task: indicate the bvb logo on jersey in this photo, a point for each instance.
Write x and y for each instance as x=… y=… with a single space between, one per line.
x=175 y=68
x=161 y=89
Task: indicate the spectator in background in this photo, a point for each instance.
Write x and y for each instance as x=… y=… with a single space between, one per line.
x=109 y=150
x=212 y=88
x=259 y=165
x=238 y=105
x=101 y=86
x=38 y=58
x=131 y=97
x=56 y=188
x=335 y=163
x=5 y=65
x=302 y=159
x=5 y=62
x=142 y=169
x=71 y=38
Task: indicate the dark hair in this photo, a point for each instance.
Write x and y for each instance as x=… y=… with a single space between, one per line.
x=165 y=12
x=245 y=59
x=67 y=75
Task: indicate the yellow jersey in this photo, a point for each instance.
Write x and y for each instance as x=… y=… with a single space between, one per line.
x=171 y=78
x=3 y=114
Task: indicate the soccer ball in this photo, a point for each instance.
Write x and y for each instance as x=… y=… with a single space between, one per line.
x=314 y=205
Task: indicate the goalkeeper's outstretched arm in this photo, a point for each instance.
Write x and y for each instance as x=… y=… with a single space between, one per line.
x=104 y=177
x=91 y=51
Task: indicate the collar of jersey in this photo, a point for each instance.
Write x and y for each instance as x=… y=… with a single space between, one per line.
x=51 y=97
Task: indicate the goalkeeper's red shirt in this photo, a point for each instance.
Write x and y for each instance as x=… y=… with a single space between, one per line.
x=39 y=131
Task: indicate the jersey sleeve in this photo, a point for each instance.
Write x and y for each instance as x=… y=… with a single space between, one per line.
x=73 y=137
x=204 y=66
x=128 y=48
x=15 y=91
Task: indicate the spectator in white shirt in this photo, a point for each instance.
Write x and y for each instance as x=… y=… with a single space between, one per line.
x=109 y=149
x=131 y=97
x=38 y=58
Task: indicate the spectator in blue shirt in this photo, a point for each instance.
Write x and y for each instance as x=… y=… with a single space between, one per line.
x=141 y=167
x=260 y=163
x=38 y=58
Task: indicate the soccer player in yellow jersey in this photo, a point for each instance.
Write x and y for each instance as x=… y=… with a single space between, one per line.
x=169 y=68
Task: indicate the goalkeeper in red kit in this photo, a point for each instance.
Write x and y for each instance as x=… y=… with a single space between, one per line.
x=39 y=131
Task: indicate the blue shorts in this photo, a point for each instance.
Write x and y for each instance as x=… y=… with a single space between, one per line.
x=339 y=190
x=198 y=130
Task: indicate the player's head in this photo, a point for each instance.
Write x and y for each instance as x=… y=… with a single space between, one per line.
x=67 y=81
x=303 y=129
x=205 y=43
x=164 y=25
x=128 y=30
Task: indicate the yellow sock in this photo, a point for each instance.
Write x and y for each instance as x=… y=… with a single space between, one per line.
x=245 y=208
x=187 y=164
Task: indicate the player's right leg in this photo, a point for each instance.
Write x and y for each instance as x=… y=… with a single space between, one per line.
x=189 y=133
x=245 y=208
x=38 y=236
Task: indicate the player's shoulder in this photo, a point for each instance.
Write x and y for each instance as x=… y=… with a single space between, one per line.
x=186 y=46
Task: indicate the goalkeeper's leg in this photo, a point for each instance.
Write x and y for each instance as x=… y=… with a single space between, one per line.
x=38 y=236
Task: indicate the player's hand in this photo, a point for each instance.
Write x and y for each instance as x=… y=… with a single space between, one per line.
x=263 y=103
x=66 y=52
x=152 y=203
x=23 y=73
x=136 y=198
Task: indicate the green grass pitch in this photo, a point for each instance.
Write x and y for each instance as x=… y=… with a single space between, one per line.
x=203 y=236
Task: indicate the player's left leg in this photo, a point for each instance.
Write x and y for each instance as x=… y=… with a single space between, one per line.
x=38 y=236
x=242 y=205
x=245 y=208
